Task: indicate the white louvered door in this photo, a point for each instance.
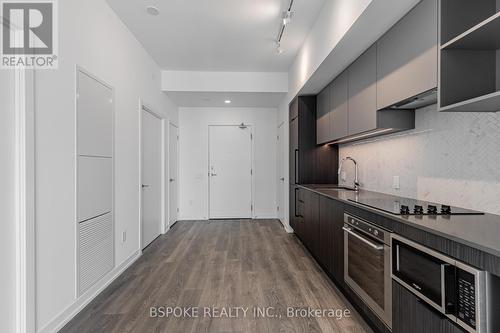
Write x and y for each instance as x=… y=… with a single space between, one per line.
x=95 y=228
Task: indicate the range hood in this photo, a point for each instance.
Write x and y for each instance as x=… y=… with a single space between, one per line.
x=424 y=99
x=388 y=121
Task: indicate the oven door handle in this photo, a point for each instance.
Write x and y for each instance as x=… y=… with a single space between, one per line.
x=364 y=240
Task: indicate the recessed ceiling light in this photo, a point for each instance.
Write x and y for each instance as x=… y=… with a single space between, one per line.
x=152 y=10
x=227 y=101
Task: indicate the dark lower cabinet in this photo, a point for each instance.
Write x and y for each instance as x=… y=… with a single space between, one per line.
x=331 y=237
x=311 y=221
x=326 y=241
x=304 y=217
x=411 y=315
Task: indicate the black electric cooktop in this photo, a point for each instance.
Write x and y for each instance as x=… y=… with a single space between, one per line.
x=405 y=206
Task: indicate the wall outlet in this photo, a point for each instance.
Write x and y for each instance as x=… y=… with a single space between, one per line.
x=124 y=236
x=343 y=176
x=395 y=183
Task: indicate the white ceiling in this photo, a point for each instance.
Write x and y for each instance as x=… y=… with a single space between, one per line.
x=216 y=99
x=222 y=35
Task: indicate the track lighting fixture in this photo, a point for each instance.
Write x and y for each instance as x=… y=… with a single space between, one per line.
x=286 y=17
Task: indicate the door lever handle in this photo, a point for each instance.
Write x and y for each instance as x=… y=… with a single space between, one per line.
x=145 y=185
x=213 y=174
x=282 y=179
x=172 y=179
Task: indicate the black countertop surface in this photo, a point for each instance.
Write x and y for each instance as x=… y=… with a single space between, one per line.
x=478 y=231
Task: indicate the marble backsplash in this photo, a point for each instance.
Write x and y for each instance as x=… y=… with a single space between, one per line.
x=450 y=158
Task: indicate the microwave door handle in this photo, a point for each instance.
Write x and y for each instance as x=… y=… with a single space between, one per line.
x=443 y=287
x=364 y=240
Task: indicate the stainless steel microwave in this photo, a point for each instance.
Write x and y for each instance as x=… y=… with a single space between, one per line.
x=453 y=288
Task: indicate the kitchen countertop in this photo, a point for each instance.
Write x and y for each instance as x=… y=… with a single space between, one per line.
x=478 y=231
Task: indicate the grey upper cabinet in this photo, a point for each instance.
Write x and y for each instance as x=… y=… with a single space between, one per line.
x=323 y=116
x=339 y=101
x=407 y=61
x=363 y=93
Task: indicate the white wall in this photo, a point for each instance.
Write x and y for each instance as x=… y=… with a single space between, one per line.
x=193 y=170
x=91 y=36
x=335 y=19
x=7 y=217
x=224 y=81
x=450 y=158
x=342 y=32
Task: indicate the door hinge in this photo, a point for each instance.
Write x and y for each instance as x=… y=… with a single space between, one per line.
x=278 y=208
x=278 y=138
x=251 y=136
x=177 y=210
x=251 y=171
x=251 y=207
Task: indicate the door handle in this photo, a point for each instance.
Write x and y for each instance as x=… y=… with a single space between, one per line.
x=282 y=179
x=364 y=240
x=213 y=174
x=145 y=185
x=172 y=179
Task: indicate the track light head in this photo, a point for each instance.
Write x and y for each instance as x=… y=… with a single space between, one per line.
x=279 y=50
x=287 y=17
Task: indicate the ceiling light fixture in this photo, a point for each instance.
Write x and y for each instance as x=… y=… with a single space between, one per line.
x=285 y=20
x=287 y=17
x=279 y=50
x=152 y=10
x=227 y=101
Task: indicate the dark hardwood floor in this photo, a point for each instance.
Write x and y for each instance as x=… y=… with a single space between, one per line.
x=217 y=264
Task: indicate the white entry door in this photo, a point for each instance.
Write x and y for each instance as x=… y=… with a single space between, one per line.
x=173 y=144
x=151 y=177
x=281 y=173
x=230 y=172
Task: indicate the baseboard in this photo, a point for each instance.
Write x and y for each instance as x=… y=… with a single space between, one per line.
x=260 y=217
x=286 y=226
x=66 y=315
x=191 y=219
x=265 y=217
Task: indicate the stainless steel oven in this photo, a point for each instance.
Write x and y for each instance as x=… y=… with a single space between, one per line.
x=453 y=288
x=367 y=270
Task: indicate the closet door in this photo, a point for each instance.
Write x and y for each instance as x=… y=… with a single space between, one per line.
x=95 y=228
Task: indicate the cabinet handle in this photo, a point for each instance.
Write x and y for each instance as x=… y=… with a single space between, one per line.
x=296 y=165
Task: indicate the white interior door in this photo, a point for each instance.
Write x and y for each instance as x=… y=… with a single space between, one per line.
x=280 y=173
x=151 y=177
x=173 y=143
x=230 y=172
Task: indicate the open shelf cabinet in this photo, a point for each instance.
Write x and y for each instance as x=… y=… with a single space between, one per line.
x=469 y=56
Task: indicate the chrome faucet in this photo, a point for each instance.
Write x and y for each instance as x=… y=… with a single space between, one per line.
x=356 y=181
